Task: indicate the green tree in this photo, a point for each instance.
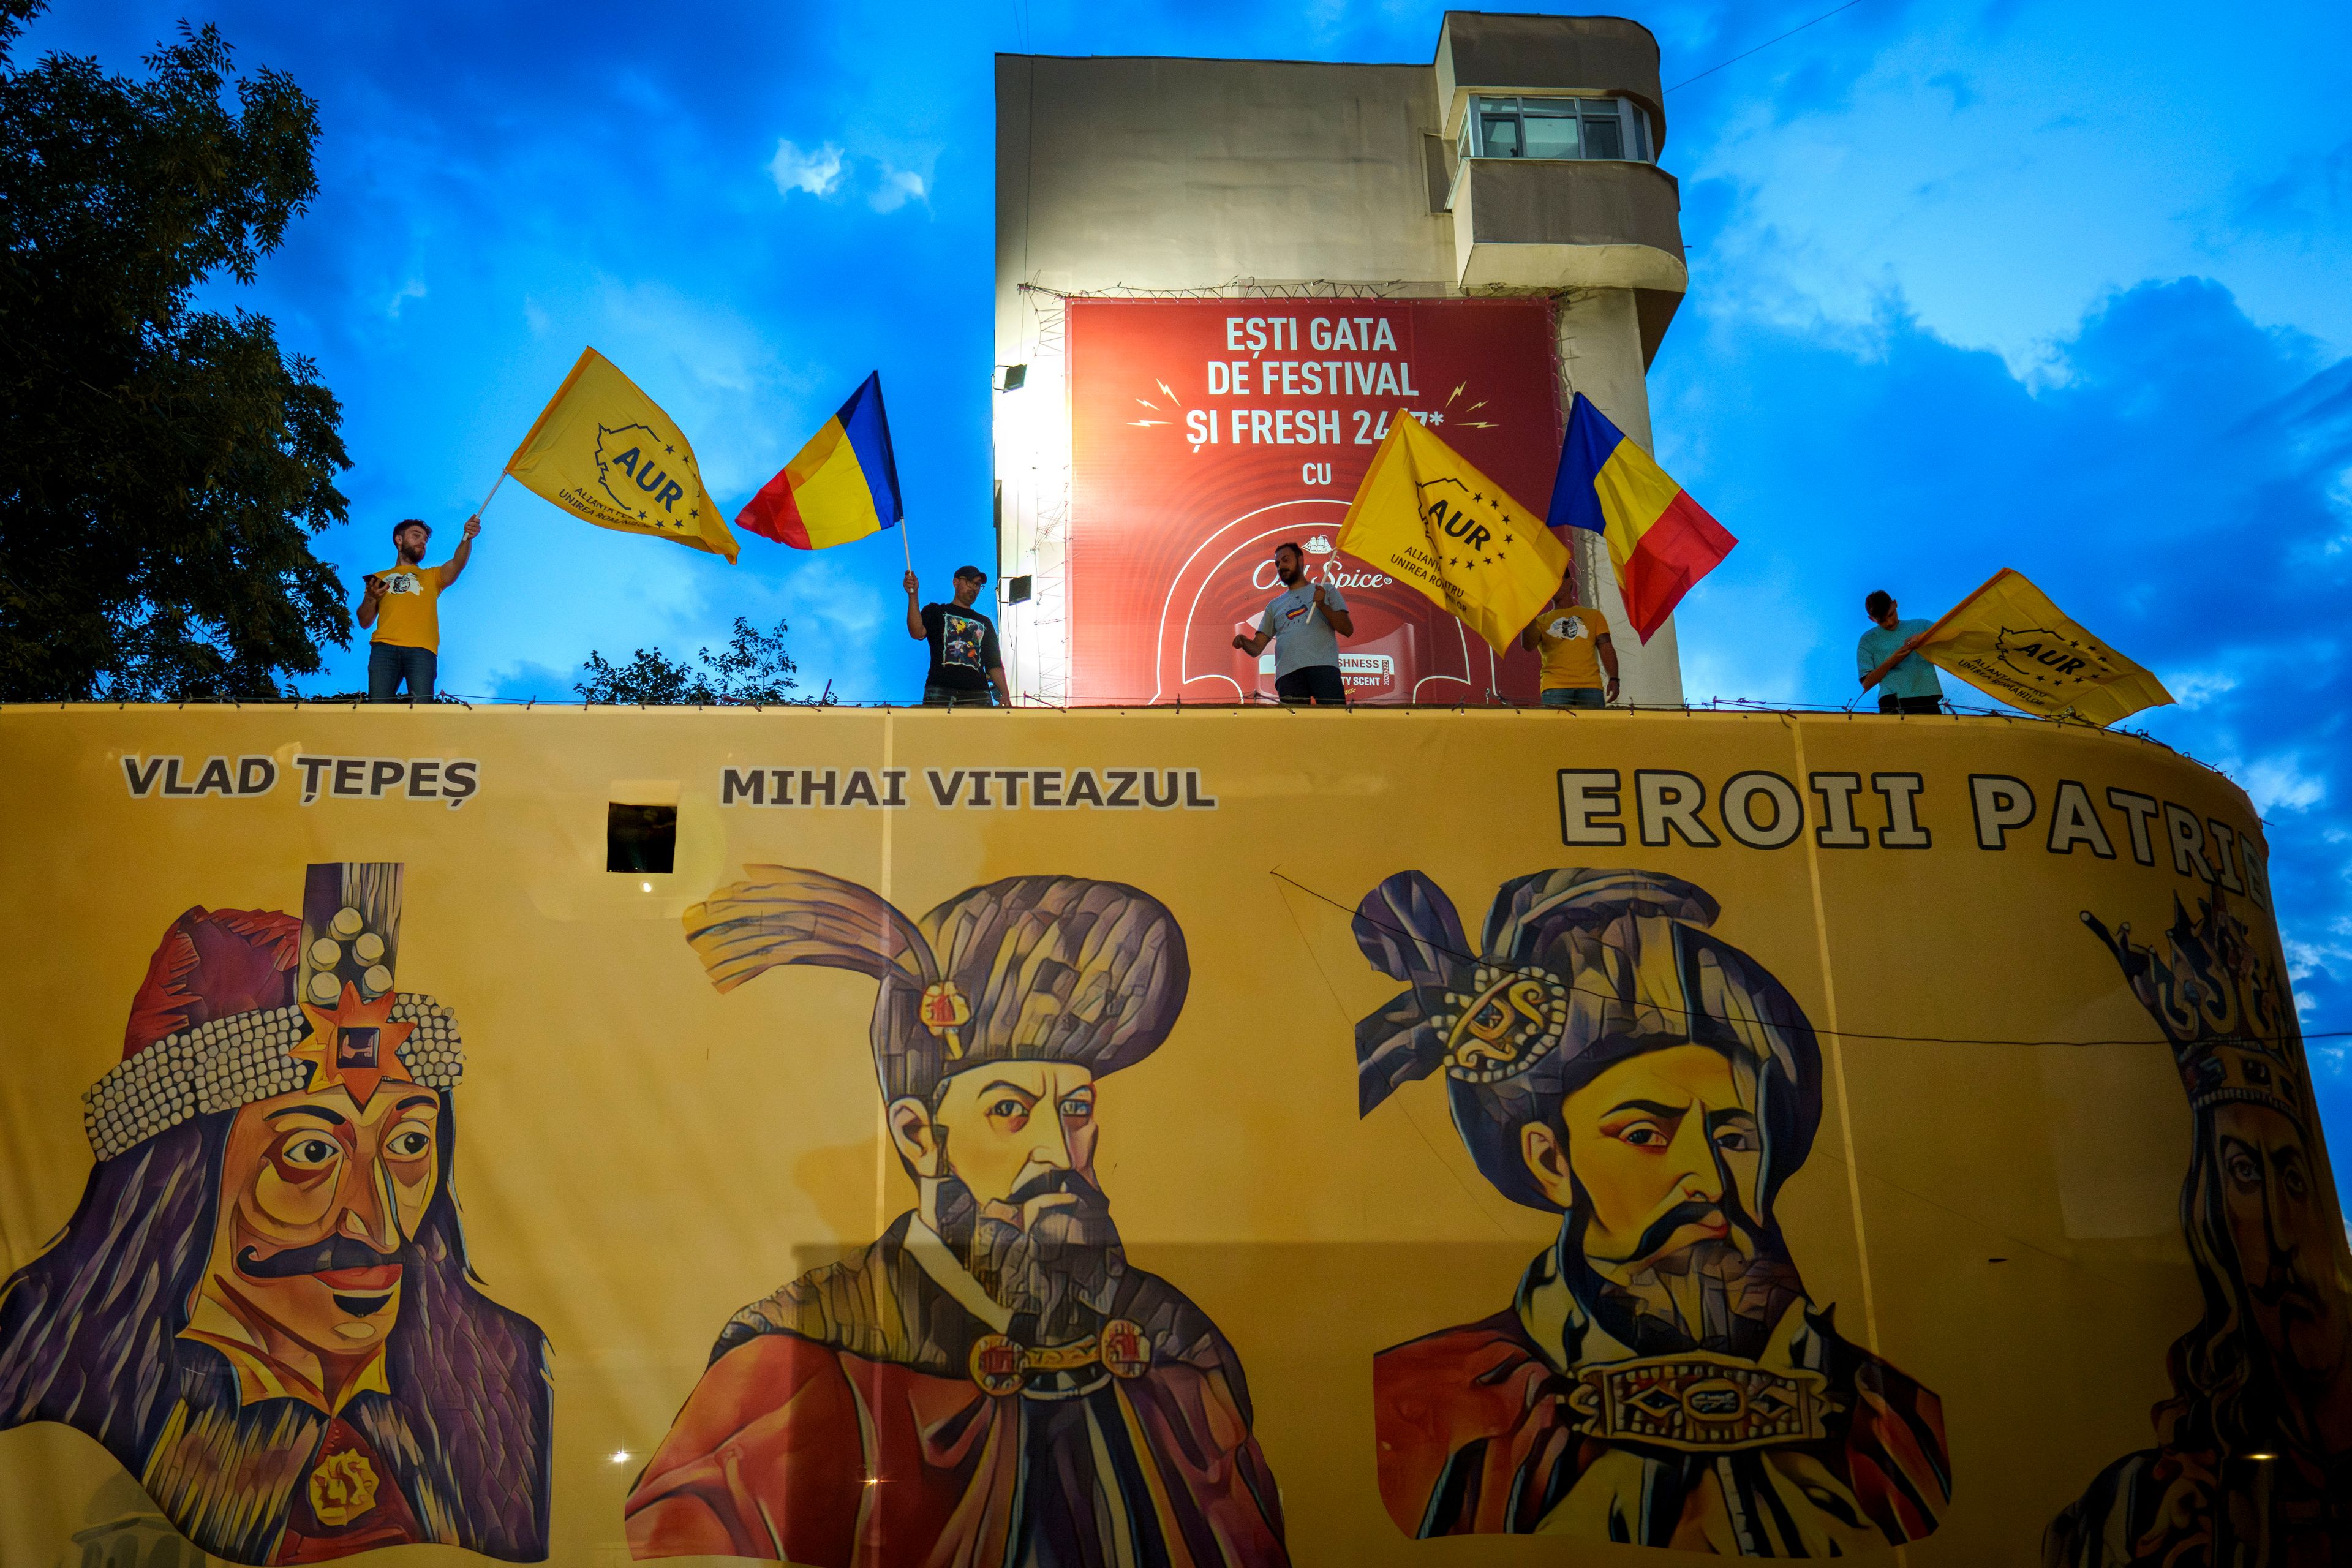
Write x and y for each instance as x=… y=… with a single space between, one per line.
x=753 y=669
x=166 y=466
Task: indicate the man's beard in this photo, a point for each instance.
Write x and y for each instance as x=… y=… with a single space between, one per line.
x=1058 y=1277
x=2286 y=1299
x=1724 y=1294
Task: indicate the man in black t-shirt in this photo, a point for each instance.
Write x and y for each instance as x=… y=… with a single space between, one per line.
x=964 y=660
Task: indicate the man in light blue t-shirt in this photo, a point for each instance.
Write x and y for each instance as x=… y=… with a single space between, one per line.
x=1886 y=658
x=1305 y=623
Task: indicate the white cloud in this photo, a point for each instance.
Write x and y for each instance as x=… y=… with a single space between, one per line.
x=817 y=171
x=1721 y=657
x=2001 y=203
x=411 y=290
x=898 y=187
x=712 y=368
x=2194 y=688
x=843 y=629
x=2278 y=783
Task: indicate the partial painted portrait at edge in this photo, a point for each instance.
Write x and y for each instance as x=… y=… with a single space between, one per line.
x=992 y=1380
x=2252 y=1462
x=1661 y=1376
x=262 y=1307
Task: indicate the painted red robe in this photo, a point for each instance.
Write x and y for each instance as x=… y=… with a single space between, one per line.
x=1479 y=1433
x=839 y=1423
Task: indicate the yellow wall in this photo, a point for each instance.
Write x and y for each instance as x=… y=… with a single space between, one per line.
x=640 y=1155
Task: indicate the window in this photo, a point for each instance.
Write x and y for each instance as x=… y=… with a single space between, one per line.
x=1614 y=128
x=640 y=837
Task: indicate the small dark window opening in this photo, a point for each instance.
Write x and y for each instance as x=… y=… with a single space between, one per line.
x=1016 y=590
x=640 y=837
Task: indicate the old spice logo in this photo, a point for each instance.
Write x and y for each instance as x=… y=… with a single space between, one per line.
x=1319 y=545
x=1334 y=573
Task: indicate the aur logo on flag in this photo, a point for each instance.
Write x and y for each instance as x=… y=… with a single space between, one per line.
x=2051 y=659
x=631 y=463
x=1454 y=517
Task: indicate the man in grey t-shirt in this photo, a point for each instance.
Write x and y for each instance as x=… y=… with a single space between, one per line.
x=1305 y=624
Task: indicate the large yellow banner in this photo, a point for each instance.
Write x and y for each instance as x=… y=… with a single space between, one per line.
x=1201 y=1138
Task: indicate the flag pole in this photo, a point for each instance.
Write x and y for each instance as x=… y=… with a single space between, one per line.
x=494 y=491
x=904 y=546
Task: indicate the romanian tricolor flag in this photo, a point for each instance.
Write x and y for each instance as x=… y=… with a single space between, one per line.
x=1660 y=540
x=844 y=485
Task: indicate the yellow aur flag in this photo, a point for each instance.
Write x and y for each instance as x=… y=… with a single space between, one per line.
x=605 y=452
x=2009 y=639
x=1434 y=523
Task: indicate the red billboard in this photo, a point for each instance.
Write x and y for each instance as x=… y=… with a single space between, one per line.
x=1205 y=432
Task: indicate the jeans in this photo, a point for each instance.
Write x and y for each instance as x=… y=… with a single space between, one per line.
x=958 y=696
x=1892 y=704
x=1315 y=683
x=389 y=664
x=1574 y=697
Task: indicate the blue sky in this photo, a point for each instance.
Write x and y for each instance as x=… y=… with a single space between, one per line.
x=1974 y=283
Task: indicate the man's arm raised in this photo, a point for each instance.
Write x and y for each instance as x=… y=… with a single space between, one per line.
x=457 y=563
x=914 y=611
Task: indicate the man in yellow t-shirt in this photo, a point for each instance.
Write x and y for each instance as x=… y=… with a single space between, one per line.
x=403 y=604
x=1574 y=641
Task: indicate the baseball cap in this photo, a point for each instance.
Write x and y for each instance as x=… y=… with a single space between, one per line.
x=972 y=572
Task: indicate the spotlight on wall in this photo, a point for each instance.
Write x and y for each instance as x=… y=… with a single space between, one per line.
x=1012 y=377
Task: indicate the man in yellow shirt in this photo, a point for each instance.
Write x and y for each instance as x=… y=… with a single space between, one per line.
x=1574 y=641
x=403 y=604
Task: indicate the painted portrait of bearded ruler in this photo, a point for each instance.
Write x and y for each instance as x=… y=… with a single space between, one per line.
x=991 y=1382
x=2252 y=1462
x=1661 y=1377
x=262 y=1307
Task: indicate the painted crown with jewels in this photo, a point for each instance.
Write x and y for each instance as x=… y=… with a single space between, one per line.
x=239 y=1005
x=2224 y=1007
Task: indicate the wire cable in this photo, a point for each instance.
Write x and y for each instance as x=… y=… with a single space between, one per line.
x=1767 y=43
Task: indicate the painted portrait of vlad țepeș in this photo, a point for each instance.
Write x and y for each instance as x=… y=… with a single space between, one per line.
x=1660 y=1377
x=992 y=1380
x=261 y=1307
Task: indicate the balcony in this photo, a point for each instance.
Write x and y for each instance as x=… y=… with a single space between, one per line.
x=1563 y=223
x=1478 y=51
